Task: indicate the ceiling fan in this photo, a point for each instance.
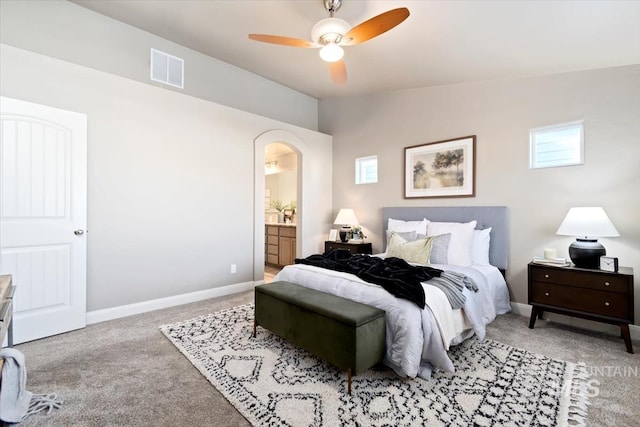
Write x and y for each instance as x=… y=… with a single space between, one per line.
x=330 y=34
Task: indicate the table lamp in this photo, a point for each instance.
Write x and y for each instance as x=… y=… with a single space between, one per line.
x=587 y=223
x=347 y=218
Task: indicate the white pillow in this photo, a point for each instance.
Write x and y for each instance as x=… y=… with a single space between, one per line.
x=459 y=252
x=480 y=246
x=398 y=225
x=417 y=251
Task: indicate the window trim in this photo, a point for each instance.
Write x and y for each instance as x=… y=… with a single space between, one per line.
x=561 y=126
x=358 y=169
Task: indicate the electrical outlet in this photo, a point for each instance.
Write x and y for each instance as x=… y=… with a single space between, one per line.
x=233 y=269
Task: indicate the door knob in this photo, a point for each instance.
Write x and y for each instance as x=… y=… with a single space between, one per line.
x=78 y=232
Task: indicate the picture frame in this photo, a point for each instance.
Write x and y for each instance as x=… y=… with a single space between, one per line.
x=333 y=235
x=440 y=169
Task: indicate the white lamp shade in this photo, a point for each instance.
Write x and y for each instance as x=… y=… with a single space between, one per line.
x=346 y=217
x=587 y=222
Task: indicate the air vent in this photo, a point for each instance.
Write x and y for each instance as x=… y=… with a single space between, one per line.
x=167 y=69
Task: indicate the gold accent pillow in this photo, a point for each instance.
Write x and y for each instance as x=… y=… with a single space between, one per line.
x=416 y=251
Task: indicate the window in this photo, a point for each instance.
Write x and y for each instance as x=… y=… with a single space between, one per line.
x=367 y=170
x=557 y=145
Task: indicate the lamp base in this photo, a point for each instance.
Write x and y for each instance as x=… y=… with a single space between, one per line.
x=586 y=253
x=343 y=234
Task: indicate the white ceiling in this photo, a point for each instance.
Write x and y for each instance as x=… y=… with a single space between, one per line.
x=442 y=42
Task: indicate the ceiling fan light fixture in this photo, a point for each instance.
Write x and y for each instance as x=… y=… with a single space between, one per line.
x=331 y=53
x=329 y=30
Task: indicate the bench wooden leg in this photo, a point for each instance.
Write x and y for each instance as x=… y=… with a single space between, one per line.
x=349 y=381
x=255 y=324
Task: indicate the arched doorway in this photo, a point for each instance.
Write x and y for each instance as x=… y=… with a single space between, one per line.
x=281 y=182
x=297 y=147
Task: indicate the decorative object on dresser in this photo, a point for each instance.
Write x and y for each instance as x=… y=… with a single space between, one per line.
x=608 y=263
x=560 y=262
x=589 y=294
x=356 y=234
x=587 y=223
x=440 y=169
x=354 y=248
x=346 y=218
x=280 y=207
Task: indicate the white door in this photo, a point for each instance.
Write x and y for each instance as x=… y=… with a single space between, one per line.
x=43 y=216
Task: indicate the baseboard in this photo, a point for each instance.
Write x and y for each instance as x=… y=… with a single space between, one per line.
x=156 y=304
x=525 y=310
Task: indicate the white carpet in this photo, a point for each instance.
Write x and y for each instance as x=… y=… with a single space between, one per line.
x=271 y=382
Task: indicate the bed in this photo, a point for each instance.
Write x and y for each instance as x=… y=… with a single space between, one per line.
x=418 y=339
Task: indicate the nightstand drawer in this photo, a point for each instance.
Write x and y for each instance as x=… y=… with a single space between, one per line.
x=604 y=282
x=331 y=246
x=585 y=300
x=353 y=248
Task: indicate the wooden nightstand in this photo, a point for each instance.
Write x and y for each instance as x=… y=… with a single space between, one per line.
x=589 y=294
x=354 y=248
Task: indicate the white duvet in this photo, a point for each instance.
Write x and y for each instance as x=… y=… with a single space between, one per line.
x=417 y=342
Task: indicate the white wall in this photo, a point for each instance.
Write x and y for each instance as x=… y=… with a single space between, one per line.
x=170 y=180
x=287 y=186
x=283 y=182
x=501 y=113
x=64 y=30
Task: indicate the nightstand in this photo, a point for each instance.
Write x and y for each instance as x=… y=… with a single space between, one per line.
x=354 y=248
x=589 y=294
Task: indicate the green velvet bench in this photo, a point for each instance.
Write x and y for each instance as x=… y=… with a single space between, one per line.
x=345 y=333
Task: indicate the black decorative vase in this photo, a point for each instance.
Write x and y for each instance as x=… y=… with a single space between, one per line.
x=586 y=253
x=343 y=234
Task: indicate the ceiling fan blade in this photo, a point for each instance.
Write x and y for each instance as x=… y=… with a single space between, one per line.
x=338 y=72
x=375 y=26
x=286 y=41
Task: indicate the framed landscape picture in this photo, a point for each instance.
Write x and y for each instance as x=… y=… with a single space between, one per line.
x=440 y=169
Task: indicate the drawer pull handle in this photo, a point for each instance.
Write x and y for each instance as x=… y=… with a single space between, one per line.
x=546 y=294
x=606 y=283
x=546 y=276
x=607 y=304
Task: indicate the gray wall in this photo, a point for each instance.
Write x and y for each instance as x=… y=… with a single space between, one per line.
x=501 y=113
x=170 y=181
x=162 y=218
x=70 y=32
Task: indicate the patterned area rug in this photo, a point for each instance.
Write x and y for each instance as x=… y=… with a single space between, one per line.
x=274 y=383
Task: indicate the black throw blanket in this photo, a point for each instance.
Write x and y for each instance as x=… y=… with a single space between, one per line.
x=395 y=275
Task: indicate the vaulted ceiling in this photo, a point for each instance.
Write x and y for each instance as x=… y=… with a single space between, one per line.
x=442 y=42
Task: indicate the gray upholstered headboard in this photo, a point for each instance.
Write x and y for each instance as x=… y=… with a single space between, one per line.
x=495 y=217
